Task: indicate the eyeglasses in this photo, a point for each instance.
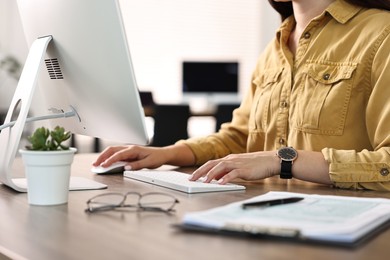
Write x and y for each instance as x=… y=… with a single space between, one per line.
x=152 y=201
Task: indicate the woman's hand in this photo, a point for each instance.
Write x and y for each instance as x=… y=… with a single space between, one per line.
x=145 y=156
x=309 y=166
x=247 y=166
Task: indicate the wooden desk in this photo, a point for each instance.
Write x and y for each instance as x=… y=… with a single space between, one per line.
x=67 y=232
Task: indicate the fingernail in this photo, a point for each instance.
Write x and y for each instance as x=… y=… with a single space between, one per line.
x=127 y=167
x=220 y=181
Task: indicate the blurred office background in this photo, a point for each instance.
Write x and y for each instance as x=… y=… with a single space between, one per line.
x=161 y=35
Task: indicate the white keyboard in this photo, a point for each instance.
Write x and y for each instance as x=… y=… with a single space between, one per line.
x=179 y=181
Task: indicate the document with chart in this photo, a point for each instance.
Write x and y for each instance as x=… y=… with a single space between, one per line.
x=337 y=220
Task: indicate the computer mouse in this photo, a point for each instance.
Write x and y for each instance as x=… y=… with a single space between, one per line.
x=117 y=167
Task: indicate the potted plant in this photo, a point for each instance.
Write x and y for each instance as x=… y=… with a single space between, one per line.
x=48 y=162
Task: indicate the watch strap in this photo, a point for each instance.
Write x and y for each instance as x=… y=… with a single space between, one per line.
x=285 y=171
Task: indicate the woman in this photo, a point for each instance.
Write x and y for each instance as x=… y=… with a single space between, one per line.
x=321 y=86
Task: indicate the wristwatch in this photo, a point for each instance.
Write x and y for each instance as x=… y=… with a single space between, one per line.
x=287 y=156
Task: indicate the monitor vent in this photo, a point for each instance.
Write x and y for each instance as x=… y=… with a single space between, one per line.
x=53 y=68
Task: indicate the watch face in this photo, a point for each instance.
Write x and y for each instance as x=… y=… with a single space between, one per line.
x=287 y=153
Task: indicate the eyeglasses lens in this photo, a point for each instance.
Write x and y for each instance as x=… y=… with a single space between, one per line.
x=157 y=201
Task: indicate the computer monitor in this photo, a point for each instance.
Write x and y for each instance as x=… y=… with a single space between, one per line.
x=212 y=82
x=80 y=52
x=210 y=77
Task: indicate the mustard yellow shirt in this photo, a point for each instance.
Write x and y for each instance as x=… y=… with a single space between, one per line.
x=333 y=96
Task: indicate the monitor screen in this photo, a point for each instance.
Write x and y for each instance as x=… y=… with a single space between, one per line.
x=212 y=77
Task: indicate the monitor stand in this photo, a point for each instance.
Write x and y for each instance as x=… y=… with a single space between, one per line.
x=19 y=108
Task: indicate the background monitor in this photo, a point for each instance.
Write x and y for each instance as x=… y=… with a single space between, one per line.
x=210 y=77
x=207 y=84
x=87 y=69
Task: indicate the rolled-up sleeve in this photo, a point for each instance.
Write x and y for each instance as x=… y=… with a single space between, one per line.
x=369 y=169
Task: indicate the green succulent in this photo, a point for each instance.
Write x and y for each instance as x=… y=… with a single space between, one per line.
x=45 y=140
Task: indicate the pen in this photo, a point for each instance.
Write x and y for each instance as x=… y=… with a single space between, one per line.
x=268 y=203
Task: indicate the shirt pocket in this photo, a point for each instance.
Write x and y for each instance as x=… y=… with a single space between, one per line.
x=323 y=98
x=265 y=85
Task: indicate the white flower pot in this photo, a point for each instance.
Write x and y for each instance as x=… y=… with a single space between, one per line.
x=48 y=175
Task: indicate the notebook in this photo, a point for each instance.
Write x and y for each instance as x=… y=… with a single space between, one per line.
x=179 y=181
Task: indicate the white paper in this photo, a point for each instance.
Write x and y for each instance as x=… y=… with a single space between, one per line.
x=333 y=218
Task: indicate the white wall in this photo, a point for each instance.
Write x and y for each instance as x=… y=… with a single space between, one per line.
x=164 y=33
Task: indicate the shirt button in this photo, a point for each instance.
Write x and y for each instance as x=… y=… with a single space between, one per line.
x=307 y=35
x=284 y=104
x=281 y=141
x=384 y=171
x=326 y=76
